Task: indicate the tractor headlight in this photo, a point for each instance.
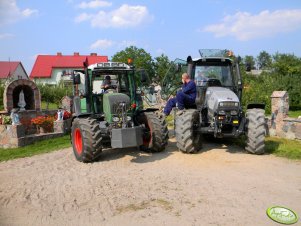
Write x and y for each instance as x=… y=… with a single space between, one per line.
x=115 y=119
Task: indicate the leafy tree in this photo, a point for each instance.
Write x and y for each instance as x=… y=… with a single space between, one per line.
x=141 y=59
x=286 y=64
x=54 y=93
x=264 y=60
x=161 y=66
x=249 y=62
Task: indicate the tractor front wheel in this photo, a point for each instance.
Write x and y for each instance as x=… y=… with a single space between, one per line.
x=187 y=136
x=86 y=139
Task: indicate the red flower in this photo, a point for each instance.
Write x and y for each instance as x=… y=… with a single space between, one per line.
x=43 y=121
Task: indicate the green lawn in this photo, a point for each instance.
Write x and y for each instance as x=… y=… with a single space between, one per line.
x=294 y=114
x=39 y=147
x=51 y=106
x=283 y=147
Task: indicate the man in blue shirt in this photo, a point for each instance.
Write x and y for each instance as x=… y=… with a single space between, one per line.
x=185 y=97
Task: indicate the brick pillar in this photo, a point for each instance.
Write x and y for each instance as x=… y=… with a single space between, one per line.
x=280 y=106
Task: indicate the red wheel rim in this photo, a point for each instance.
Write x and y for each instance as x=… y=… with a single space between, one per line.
x=78 y=141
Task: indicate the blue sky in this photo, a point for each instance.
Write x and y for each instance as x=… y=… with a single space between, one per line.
x=174 y=28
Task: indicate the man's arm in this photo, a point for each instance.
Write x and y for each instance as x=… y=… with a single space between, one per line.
x=189 y=88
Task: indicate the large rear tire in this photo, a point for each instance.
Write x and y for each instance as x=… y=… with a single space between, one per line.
x=188 y=139
x=86 y=139
x=255 y=131
x=155 y=135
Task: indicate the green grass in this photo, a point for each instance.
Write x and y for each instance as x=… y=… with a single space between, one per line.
x=281 y=147
x=39 y=147
x=51 y=106
x=290 y=149
x=294 y=114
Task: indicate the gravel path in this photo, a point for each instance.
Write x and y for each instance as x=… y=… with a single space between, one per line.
x=221 y=185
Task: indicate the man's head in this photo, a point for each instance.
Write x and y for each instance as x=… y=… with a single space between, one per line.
x=108 y=77
x=185 y=78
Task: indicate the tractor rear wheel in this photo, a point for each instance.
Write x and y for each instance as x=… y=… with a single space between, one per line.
x=188 y=139
x=86 y=139
x=155 y=135
x=255 y=131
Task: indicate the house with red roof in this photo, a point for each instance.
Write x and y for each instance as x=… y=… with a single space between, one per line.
x=12 y=70
x=51 y=69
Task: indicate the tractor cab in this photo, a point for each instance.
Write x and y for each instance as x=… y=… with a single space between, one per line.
x=214 y=68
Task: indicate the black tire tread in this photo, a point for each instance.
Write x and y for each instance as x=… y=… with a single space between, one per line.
x=187 y=140
x=91 y=138
x=255 y=131
x=157 y=123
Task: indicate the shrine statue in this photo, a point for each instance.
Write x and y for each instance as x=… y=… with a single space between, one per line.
x=14 y=117
x=60 y=115
x=22 y=102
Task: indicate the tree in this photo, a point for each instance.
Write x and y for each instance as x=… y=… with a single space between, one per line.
x=161 y=66
x=141 y=59
x=249 y=63
x=286 y=64
x=264 y=60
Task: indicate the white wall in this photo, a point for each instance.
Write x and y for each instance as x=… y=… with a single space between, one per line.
x=20 y=73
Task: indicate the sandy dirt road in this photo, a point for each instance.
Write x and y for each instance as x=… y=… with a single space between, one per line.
x=221 y=185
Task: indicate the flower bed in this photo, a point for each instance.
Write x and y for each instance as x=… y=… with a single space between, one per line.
x=44 y=122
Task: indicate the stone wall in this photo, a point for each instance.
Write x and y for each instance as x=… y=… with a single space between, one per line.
x=12 y=136
x=280 y=124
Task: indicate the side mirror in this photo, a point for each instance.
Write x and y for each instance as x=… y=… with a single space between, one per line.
x=143 y=76
x=76 y=79
x=248 y=67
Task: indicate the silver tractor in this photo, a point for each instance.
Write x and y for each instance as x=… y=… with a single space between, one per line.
x=217 y=111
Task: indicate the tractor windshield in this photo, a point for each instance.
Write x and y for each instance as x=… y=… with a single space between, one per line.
x=117 y=80
x=221 y=72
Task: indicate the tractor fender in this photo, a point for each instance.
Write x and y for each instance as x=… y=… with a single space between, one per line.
x=256 y=105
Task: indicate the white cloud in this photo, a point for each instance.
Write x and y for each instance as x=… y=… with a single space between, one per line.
x=125 y=16
x=83 y=17
x=29 y=12
x=245 y=26
x=102 y=44
x=6 y=36
x=10 y=12
x=94 y=4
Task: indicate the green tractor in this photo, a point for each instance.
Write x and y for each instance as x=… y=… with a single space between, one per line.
x=218 y=111
x=114 y=118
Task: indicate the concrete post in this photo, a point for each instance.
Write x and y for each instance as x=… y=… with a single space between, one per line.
x=280 y=107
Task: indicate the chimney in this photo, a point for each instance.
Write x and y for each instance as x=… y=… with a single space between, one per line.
x=76 y=54
x=93 y=54
x=59 y=53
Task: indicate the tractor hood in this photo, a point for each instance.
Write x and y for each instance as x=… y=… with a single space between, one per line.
x=215 y=95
